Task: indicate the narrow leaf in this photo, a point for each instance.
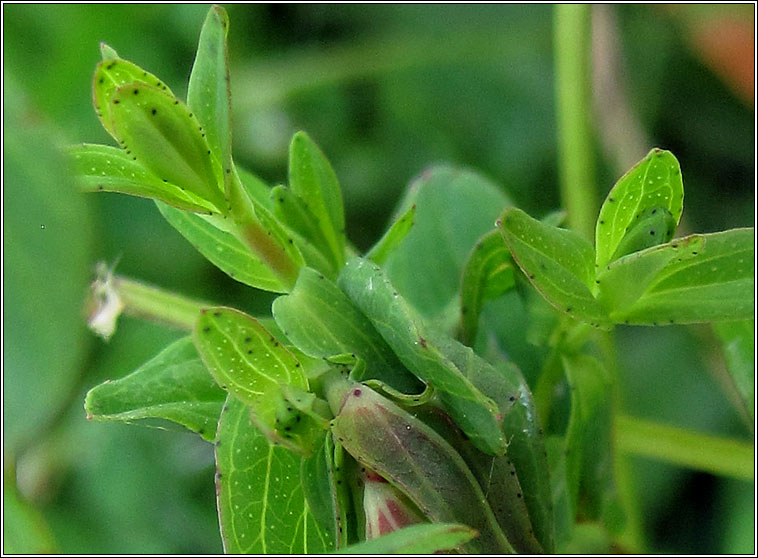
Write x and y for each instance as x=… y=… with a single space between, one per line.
x=313 y=180
x=174 y=385
x=656 y=181
x=715 y=284
x=222 y=249
x=476 y=414
x=488 y=273
x=416 y=539
x=208 y=95
x=261 y=504
x=651 y=227
x=320 y=487
x=101 y=168
x=558 y=262
x=738 y=341
x=162 y=133
x=322 y=322
x=393 y=237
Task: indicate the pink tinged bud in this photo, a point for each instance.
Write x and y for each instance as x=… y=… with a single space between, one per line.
x=385 y=508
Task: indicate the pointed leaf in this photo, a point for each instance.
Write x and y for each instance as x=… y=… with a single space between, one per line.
x=161 y=133
x=476 y=414
x=320 y=487
x=416 y=539
x=261 y=505
x=558 y=262
x=101 y=168
x=208 y=95
x=651 y=227
x=393 y=237
x=715 y=284
x=738 y=340
x=222 y=249
x=488 y=273
x=174 y=385
x=656 y=181
x=322 y=322
x=313 y=180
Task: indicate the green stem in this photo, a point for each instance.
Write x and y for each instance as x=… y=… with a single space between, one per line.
x=573 y=104
x=702 y=452
x=152 y=303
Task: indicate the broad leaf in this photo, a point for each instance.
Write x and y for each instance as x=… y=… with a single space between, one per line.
x=488 y=273
x=174 y=385
x=313 y=180
x=101 y=168
x=222 y=249
x=261 y=504
x=208 y=94
x=416 y=539
x=656 y=181
x=476 y=414
x=322 y=322
x=715 y=284
x=418 y=461
x=162 y=133
x=251 y=364
x=393 y=237
x=738 y=341
x=558 y=262
x=588 y=435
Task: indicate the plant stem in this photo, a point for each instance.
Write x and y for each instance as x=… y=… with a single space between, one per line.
x=145 y=301
x=571 y=34
x=720 y=456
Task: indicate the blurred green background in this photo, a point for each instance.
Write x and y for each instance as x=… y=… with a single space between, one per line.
x=385 y=90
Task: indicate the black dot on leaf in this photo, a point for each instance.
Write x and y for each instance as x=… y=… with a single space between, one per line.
x=206 y=329
x=153 y=112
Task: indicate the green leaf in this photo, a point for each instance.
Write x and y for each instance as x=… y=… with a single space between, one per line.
x=112 y=73
x=25 y=530
x=251 y=364
x=101 y=168
x=656 y=181
x=222 y=249
x=738 y=340
x=454 y=208
x=418 y=461
x=393 y=237
x=715 y=284
x=558 y=262
x=174 y=385
x=162 y=133
x=475 y=413
x=208 y=94
x=261 y=504
x=319 y=485
x=588 y=435
x=416 y=539
x=313 y=180
x=488 y=273
x=651 y=227
x=322 y=322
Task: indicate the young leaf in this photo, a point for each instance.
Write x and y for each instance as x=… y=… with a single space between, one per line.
x=715 y=284
x=112 y=73
x=418 y=461
x=656 y=181
x=174 y=385
x=558 y=262
x=488 y=273
x=248 y=362
x=476 y=414
x=162 y=134
x=738 y=340
x=393 y=237
x=588 y=435
x=428 y=538
x=261 y=505
x=320 y=488
x=651 y=227
x=322 y=322
x=222 y=249
x=313 y=180
x=208 y=95
x=101 y=168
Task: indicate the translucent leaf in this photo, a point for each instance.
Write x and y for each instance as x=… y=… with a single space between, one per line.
x=174 y=385
x=656 y=181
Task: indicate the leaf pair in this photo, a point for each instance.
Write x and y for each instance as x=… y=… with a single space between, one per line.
x=636 y=274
